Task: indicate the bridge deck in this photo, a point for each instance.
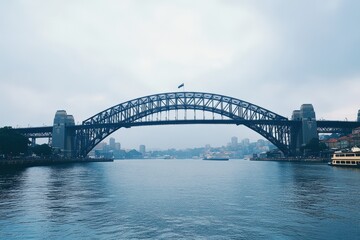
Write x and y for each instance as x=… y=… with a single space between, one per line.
x=323 y=125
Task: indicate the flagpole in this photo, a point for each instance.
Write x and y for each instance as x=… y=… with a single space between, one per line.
x=182 y=86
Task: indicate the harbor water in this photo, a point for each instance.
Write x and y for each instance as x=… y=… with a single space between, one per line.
x=180 y=199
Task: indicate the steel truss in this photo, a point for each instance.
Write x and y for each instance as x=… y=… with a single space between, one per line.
x=343 y=127
x=35 y=132
x=161 y=107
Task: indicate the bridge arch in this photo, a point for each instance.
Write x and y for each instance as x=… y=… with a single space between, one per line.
x=136 y=111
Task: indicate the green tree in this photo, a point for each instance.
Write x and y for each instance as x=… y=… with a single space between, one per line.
x=314 y=146
x=12 y=143
x=42 y=150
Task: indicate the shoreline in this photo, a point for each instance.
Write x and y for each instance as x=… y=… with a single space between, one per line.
x=23 y=162
x=308 y=160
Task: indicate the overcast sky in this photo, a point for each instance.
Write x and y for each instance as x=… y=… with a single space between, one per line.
x=86 y=56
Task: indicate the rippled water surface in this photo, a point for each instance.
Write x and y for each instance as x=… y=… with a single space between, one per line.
x=180 y=199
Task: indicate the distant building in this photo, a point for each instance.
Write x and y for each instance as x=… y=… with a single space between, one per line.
x=245 y=142
x=296 y=116
x=356 y=137
x=111 y=150
x=358 y=117
x=344 y=142
x=142 y=149
x=112 y=143
x=331 y=143
x=261 y=143
x=99 y=147
x=234 y=142
x=117 y=146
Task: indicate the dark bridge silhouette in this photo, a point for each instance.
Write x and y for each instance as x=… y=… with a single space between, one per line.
x=185 y=108
x=136 y=113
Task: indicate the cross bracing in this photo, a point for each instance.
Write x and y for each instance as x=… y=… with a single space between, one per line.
x=188 y=108
x=178 y=106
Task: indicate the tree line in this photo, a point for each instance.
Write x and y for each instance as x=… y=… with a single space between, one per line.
x=13 y=143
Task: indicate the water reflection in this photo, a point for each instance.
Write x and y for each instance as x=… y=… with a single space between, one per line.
x=72 y=189
x=309 y=188
x=179 y=199
x=11 y=180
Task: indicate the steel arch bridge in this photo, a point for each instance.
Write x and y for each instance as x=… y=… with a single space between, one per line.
x=168 y=108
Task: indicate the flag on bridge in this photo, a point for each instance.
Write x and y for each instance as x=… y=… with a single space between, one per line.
x=181 y=85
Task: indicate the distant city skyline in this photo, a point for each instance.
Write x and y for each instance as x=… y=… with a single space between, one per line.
x=232 y=149
x=112 y=144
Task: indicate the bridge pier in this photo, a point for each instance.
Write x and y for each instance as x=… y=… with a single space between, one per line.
x=308 y=127
x=63 y=137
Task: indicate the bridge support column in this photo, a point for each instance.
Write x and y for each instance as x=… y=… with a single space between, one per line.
x=308 y=129
x=63 y=137
x=295 y=133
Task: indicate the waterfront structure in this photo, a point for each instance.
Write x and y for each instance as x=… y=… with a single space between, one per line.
x=358 y=116
x=309 y=125
x=159 y=109
x=63 y=137
x=308 y=130
x=347 y=141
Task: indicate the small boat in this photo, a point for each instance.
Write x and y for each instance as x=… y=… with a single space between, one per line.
x=346 y=158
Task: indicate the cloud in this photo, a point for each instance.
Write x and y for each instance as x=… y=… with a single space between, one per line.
x=87 y=56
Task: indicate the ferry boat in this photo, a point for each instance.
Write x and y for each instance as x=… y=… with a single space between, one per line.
x=346 y=159
x=216 y=157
